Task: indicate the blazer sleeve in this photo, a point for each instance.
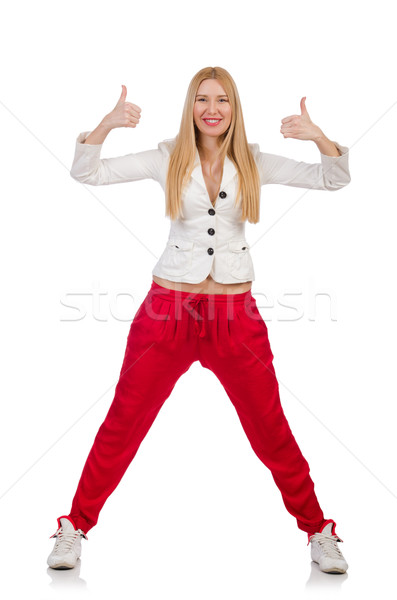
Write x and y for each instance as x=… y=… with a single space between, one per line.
x=89 y=168
x=332 y=173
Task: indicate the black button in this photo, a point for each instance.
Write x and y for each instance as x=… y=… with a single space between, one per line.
x=211 y=211
x=210 y=251
x=222 y=194
x=211 y=231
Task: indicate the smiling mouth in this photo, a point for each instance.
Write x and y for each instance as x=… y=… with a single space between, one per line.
x=212 y=121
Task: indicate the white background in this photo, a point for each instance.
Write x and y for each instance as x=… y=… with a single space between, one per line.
x=196 y=514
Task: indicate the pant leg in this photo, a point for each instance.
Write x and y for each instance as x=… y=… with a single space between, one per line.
x=159 y=350
x=237 y=351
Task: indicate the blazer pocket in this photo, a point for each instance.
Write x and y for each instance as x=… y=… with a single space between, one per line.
x=239 y=260
x=177 y=257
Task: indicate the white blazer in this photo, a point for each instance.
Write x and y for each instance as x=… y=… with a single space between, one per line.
x=207 y=239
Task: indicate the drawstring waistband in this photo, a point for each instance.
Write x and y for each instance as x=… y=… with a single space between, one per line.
x=195 y=303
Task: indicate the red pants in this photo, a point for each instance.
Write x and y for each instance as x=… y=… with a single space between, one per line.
x=227 y=334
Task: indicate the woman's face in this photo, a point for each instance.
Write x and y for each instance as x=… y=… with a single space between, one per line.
x=212 y=104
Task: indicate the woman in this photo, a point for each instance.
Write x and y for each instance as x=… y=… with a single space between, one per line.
x=200 y=306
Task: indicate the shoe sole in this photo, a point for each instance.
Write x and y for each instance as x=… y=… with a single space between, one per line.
x=339 y=571
x=334 y=570
x=62 y=566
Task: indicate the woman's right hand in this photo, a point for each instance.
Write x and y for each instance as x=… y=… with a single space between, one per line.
x=124 y=114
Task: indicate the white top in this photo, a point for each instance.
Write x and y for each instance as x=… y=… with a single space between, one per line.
x=207 y=239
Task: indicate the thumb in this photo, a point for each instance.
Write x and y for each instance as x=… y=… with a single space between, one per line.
x=123 y=95
x=303 y=106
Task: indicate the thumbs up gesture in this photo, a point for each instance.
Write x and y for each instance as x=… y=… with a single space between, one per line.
x=300 y=126
x=124 y=114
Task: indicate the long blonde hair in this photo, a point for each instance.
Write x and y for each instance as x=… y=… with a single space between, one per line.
x=233 y=144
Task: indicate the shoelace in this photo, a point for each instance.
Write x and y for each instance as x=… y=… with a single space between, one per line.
x=328 y=543
x=65 y=539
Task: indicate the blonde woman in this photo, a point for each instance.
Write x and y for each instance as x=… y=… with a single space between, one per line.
x=200 y=306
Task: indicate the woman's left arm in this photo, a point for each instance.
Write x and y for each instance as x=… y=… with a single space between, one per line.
x=326 y=146
x=301 y=127
x=332 y=173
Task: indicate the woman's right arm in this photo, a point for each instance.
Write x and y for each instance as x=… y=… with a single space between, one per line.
x=89 y=168
x=124 y=114
x=98 y=136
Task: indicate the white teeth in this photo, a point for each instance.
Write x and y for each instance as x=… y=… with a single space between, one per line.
x=212 y=120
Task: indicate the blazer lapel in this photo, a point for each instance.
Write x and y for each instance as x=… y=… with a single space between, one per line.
x=229 y=171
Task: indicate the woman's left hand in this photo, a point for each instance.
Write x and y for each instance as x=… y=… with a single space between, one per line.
x=300 y=126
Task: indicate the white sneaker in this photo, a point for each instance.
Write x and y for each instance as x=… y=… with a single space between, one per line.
x=67 y=547
x=324 y=549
